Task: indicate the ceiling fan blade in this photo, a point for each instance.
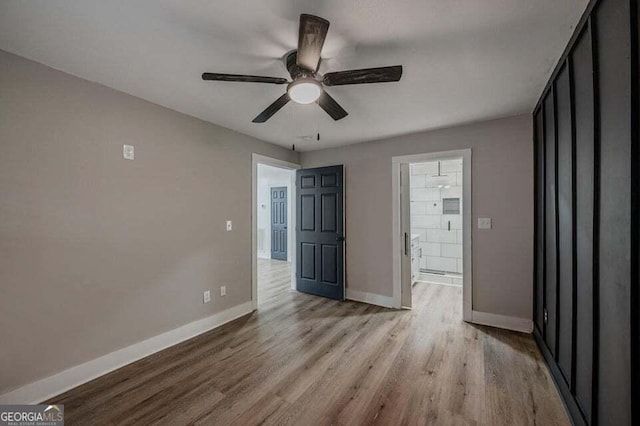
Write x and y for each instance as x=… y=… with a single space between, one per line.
x=272 y=109
x=313 y=31
x=368 y=75
x=331 y=107
x=211 y=76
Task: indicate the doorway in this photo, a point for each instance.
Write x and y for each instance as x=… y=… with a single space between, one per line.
x=435 y=201
x=432 y=224
x=273 y=226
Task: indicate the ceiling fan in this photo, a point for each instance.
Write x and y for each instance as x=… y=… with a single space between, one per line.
x=307 y=86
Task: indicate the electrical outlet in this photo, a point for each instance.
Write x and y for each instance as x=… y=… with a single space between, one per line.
x=484 y=223
x=127 y=152
x=223 y=290
x=229 y=226
x=206 y=297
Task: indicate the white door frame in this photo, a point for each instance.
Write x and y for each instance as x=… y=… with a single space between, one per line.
x=467 y=286
x=262 y=159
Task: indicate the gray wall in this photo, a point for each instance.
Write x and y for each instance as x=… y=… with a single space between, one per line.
x=98 y=252
x=502 y=188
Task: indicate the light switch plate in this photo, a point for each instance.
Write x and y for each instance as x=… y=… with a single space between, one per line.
x=223 y=290
x=229 y=226
x=206 y=297
x=484 y=223
x=127 y=152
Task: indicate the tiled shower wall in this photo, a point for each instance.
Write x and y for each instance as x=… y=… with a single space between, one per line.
x=441 y=247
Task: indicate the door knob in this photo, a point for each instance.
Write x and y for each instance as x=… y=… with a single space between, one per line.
x=340 y=239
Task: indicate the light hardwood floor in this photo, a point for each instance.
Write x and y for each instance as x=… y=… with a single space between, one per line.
x=307 y=360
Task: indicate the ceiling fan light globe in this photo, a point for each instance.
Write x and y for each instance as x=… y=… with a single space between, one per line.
x=304 y=91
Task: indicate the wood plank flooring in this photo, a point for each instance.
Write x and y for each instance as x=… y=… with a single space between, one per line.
x=307 y=360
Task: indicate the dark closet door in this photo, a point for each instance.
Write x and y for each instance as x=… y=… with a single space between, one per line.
x=320 y=234
x=550 y=234
x=539 y=221
x=565 y=223
x=582 y=64
x=612 y=25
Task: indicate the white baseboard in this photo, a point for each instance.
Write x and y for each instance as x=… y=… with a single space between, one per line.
x=51 y=386
x=502 y=321
x=371 y=298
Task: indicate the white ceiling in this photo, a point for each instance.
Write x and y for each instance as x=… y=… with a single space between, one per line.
x=464 y=60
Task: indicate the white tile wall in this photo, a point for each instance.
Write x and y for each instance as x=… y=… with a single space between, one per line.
x=433 y=207
x=418 y=208
x=454 y=220
x=436 y=181
x=442 y=263
x=453 y=192
x=418 y=181
x=451 y=250
x=430 y=249
x=426 y=221
x=441 y=236
x=425 y=194
x=424 y=168
x=441 y=245
x=450 y=166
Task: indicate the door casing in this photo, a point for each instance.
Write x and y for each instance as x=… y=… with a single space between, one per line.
x=262 y=159
x=399 y=226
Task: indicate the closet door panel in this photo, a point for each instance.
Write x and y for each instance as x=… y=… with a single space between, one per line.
x=565 y=223
x=585 y=178
x=539 y=221
x=550 y=222
x=614 y=76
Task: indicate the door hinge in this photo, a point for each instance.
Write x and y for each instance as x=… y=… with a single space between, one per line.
x=546 y=316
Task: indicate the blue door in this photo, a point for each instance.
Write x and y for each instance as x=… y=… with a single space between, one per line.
x=320 y=231
x=279 y=223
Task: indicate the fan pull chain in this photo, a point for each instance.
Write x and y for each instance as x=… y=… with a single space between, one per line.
x=317 y=125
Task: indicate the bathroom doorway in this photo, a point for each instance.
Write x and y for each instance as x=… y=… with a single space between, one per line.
x=436 y=221
x=432 y=224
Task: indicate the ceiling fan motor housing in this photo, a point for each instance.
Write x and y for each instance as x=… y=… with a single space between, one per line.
x=295 y=70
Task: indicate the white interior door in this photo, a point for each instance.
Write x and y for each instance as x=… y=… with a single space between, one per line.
x=405 y=229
